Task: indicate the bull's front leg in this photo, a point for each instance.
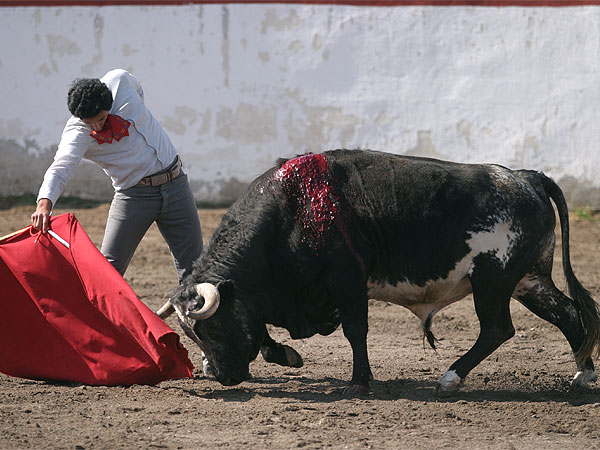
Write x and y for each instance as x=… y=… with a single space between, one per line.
x=284 y=355
x=355 y=326
x=361 y=370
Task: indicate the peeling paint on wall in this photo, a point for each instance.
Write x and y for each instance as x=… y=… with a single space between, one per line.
x=225 y=44
x=98 y=26
x=464 y=128
x=179 y=122
x=279 y=20
x=248 y=124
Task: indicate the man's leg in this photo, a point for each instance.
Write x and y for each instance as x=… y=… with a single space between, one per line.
x=179 y=224
x=132 y=211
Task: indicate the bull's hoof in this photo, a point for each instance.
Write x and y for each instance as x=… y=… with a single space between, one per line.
x=448 y=384
x=356 y=390
x=293 y=357
x=582 y=379
x=207 y=369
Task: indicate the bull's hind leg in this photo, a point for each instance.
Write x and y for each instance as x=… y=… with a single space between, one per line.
x=539 y=294
x=491 y=300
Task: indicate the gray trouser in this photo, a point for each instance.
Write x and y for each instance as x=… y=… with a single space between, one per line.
x=133 y=211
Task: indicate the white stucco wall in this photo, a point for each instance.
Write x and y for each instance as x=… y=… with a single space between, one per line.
x=237 y=86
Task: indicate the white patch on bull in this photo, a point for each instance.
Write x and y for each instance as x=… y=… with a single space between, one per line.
x=441 y=292
x=584 y=377
x=499 y=241
x=450 y=381
x=423 y=300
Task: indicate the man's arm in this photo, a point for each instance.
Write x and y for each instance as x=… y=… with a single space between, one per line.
x=73 y=145
x=40 y=219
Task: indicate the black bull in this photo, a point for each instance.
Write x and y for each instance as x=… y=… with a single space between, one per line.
x=316 y=236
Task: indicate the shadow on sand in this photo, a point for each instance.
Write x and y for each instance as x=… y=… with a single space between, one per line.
x=330 y=390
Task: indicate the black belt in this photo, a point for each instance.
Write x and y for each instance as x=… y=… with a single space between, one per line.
x=162 y=177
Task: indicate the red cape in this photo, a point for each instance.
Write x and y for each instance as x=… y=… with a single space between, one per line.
x=68 y=315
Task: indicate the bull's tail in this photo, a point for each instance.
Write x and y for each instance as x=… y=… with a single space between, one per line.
x=588 y=309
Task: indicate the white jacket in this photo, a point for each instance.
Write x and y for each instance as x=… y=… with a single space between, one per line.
x=146 y=150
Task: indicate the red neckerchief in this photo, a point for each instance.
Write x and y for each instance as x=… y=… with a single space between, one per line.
x=114 y=127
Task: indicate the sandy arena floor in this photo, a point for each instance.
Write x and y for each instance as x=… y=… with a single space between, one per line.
x=516 y=399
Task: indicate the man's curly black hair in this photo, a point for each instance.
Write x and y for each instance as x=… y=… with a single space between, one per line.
x=87 y=97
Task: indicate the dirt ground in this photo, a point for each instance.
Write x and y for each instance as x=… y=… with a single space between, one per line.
x=516 y=399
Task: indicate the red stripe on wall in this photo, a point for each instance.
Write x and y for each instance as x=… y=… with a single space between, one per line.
x=495 y=3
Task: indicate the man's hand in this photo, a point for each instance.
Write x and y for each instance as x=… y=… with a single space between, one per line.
x=40 y=219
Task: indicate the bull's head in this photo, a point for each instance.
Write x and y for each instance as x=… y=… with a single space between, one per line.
x=221 y=326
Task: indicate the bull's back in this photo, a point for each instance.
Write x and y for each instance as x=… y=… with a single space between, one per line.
x=420 y=217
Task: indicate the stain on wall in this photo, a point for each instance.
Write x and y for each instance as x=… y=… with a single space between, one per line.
x=425 y=146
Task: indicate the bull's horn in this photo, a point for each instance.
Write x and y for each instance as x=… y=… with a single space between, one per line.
x=211 y=301
x=165 y=310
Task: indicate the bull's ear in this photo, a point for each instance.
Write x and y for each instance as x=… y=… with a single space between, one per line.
x=226 y=288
